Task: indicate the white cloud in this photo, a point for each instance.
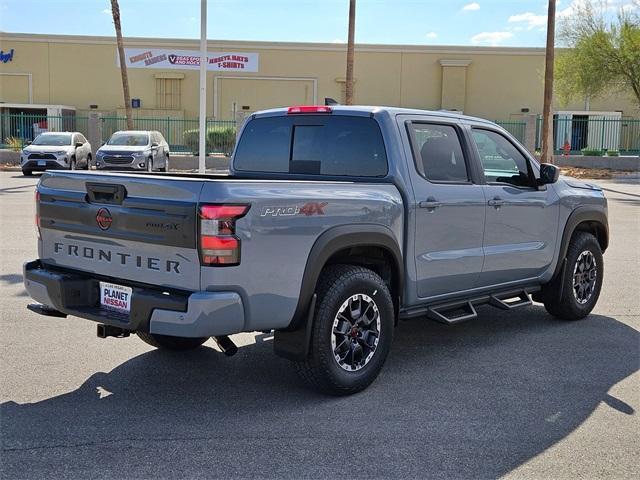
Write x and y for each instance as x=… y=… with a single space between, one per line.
x=338 y=40
x=531 y=19
x=471 y=6
x=107 y=11
x=490 y=38
x=431 y=35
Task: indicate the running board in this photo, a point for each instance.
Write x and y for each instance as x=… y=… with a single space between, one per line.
x=505 y=302
x=461 y=310
x=452 y=313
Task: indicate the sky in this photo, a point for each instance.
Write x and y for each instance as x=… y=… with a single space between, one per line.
x=520 y=23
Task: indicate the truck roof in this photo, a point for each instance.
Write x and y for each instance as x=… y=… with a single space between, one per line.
x=371 y=109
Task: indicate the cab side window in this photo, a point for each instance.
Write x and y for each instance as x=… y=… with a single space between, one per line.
x=439 y=156
x=501 y=161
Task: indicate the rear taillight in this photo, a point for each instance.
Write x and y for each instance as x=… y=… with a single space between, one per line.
x=309 y=109
x=219 y=246
x=37 y=218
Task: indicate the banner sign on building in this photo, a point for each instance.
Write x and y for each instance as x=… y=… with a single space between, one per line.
x=189 y=60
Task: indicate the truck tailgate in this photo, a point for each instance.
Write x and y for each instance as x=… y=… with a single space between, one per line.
x=140 y=228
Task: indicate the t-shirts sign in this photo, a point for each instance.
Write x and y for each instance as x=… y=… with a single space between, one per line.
x=189 y=60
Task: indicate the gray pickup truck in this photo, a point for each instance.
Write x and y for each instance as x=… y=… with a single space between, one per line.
x=334 y=223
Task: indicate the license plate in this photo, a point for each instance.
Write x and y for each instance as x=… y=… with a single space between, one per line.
x=115 y=297
x=42 y=163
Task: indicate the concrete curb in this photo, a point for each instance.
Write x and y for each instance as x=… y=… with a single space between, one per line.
x=628 y=164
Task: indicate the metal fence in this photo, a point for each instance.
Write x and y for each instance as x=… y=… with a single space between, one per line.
x=515 y=128
x=18 y=129
x=182 y=135
x=595 y=135
x=578 y=133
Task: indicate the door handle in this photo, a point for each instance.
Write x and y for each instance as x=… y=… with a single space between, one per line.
x=430 y=204
x=496 y=202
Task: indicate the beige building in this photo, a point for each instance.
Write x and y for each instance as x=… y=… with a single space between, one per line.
x=498 y=83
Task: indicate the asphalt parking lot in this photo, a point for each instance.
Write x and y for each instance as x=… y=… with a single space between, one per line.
x=520 y=394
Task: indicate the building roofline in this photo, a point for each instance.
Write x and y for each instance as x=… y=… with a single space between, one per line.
x=263 y=45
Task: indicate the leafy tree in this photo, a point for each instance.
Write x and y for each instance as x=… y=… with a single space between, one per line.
x=603 y=55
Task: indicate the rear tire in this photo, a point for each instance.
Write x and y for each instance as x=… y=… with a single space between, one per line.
x=581 y=283
x=27 y=173
x=352 y=331
x=171 y=343
x=166 y=165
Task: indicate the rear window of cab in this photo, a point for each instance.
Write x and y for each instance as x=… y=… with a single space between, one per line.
x=330 y=145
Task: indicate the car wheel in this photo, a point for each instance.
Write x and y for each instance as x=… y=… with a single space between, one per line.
x=166 y=165
x=171 y=343
x=88 y=164
x=72 y=164
x=352 y=331
x=150 y=165
x=27 y=173
x=572 y=295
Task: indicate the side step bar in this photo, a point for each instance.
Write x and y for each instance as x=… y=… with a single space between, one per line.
x=464 y=309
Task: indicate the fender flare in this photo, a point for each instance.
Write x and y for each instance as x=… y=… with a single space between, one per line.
x=585 y=213
x=293 y=342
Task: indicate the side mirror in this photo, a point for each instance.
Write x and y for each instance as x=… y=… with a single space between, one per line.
x=548 y=174
x=155 y=145
x=27 y=142
x=79 y=144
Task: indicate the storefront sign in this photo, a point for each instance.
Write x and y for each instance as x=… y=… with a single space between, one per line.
x=189 y=60
x=6 y=56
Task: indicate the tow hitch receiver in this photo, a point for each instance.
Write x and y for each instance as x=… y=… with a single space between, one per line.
x=105 y=331
x=226 y=345
x=45 y=310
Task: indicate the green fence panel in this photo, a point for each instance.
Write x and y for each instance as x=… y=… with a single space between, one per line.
x=515 y=128
x=17 y=129
x=593 y=134
x=182 y=135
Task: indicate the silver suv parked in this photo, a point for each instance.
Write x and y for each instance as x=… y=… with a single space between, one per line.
x=56 y=150
x=134 y=149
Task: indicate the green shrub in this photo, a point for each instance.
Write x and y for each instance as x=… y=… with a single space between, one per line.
x=219 y=139
x=14 y=143
x=592 y=152
x=613 y=153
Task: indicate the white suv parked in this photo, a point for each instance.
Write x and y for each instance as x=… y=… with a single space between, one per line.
x=56 y=150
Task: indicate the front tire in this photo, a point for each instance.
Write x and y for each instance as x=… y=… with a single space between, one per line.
x=581 y=282
x=88 y=164
x=352 y=331
x=27 y=173
x=171 y=343
x=72 y=164
x=150 y=165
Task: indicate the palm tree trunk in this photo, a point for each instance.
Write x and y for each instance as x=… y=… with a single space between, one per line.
x=547 y=112
x=115 y=11
x=348 y=94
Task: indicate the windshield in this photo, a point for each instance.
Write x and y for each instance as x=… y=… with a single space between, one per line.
x=129 y=139
x=56 y=140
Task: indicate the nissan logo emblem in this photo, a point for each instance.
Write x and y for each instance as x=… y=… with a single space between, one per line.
x=104 y=218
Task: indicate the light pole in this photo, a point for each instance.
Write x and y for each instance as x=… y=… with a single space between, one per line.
x=202 y=153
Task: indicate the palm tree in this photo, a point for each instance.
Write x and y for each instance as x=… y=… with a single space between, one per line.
x=348 y=94
x=115 y=11
x=547 y=113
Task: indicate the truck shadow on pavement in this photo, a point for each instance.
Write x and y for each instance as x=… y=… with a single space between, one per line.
x=472 y=401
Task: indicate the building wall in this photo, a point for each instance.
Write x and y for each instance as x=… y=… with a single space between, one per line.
x=496 y=83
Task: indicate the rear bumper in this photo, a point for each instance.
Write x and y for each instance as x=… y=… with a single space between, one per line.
x=181 y=314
